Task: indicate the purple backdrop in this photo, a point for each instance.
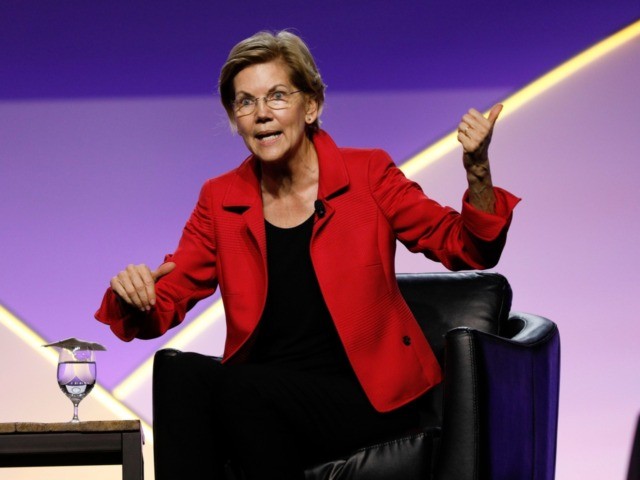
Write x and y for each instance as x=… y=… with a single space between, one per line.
x=108 y=127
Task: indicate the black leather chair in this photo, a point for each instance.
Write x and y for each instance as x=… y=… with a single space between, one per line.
x=494 y=417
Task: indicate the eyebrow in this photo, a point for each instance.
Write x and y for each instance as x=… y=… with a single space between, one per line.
x=272 y=89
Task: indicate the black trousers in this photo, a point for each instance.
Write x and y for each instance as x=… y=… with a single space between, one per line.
x=271 y=421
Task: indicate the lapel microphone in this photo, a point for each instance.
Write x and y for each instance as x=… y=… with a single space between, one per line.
x=319 y=208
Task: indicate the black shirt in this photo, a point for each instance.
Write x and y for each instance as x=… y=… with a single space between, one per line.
x=296 y=329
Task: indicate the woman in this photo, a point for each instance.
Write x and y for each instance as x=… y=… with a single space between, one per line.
x=322 y=353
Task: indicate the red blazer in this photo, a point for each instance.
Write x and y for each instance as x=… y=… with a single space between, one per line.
x=369 y=204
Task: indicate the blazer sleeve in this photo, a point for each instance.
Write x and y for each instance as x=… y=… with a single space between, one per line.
x=472 y=239
x=193 y=279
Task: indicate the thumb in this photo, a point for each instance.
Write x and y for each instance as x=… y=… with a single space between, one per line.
x=162 y=270
x=494 y=113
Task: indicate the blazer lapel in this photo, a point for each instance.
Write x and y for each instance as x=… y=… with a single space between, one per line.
x=334 y=179
x=243 y=197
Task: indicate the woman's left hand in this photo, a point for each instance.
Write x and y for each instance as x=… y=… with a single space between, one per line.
x=474 y=133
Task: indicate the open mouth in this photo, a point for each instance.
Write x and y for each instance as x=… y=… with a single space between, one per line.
x=266 y=137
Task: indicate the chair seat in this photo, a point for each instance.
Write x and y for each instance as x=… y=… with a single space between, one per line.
x=404 y=457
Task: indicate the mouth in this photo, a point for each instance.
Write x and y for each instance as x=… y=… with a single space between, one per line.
x=267 y=136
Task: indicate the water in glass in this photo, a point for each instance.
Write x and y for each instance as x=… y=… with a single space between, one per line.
x=76 y=376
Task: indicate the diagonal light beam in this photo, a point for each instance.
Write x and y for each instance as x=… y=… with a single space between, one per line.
x=528 y=93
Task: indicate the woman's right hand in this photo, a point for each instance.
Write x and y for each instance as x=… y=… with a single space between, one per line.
x=136 y=285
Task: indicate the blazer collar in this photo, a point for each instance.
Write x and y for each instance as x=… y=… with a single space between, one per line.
x=334 y=178
x=244 y=190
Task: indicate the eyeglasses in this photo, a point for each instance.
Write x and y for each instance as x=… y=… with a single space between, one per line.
x=277 y=100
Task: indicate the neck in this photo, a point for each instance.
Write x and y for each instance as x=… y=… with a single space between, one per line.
x=291 y=175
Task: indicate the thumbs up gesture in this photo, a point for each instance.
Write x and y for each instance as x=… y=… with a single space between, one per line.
x=474 y=133
x=135 y=285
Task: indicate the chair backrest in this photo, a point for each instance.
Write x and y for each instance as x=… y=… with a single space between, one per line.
x=443 y=301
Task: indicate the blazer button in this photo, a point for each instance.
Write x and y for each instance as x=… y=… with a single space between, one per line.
x=406 y=340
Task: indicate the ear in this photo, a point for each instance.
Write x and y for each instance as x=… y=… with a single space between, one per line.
x=311 y=111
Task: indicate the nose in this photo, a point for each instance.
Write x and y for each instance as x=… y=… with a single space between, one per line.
x=262 y=109
x=261 y=104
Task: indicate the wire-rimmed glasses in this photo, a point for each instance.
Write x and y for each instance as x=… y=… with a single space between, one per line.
x=277 y=100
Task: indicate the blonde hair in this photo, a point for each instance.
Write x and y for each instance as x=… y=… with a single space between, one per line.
x=265 y=47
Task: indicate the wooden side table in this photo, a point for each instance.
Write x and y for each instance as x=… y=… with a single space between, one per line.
x=67 y=444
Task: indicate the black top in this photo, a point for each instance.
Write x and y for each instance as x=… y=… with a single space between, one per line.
x=296 y=329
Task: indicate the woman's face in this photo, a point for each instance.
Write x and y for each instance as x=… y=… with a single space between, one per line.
x=273 y=135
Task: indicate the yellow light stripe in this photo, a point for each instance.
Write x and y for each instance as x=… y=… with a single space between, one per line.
x=419 y=162
x=527 y=94
x=181 y=341
x=35 y=342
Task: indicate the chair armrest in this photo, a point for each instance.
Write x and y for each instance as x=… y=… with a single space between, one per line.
x=501 y=402
x=165 y=355
x=165 y=364
x=162 y=360
x=167 y=352
x=527 y=328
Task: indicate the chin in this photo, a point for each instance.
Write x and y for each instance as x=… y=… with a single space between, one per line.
x=270 y=154
x=271 y=158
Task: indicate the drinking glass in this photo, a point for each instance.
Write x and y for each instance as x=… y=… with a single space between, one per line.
x=76 y=375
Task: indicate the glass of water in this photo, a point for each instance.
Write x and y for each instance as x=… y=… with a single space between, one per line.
x=76 y=375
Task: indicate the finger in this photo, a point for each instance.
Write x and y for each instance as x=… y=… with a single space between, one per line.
x=476 y=121
x=494 y=113
x=468 y=144
x=153 y=277
x=476 y=135
x=476 y=116
x=149 y=285
x=137 y=275
x=127 y=285
x=117 y=287
x=134 y=285
x=463 y=128
x=162 y=270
